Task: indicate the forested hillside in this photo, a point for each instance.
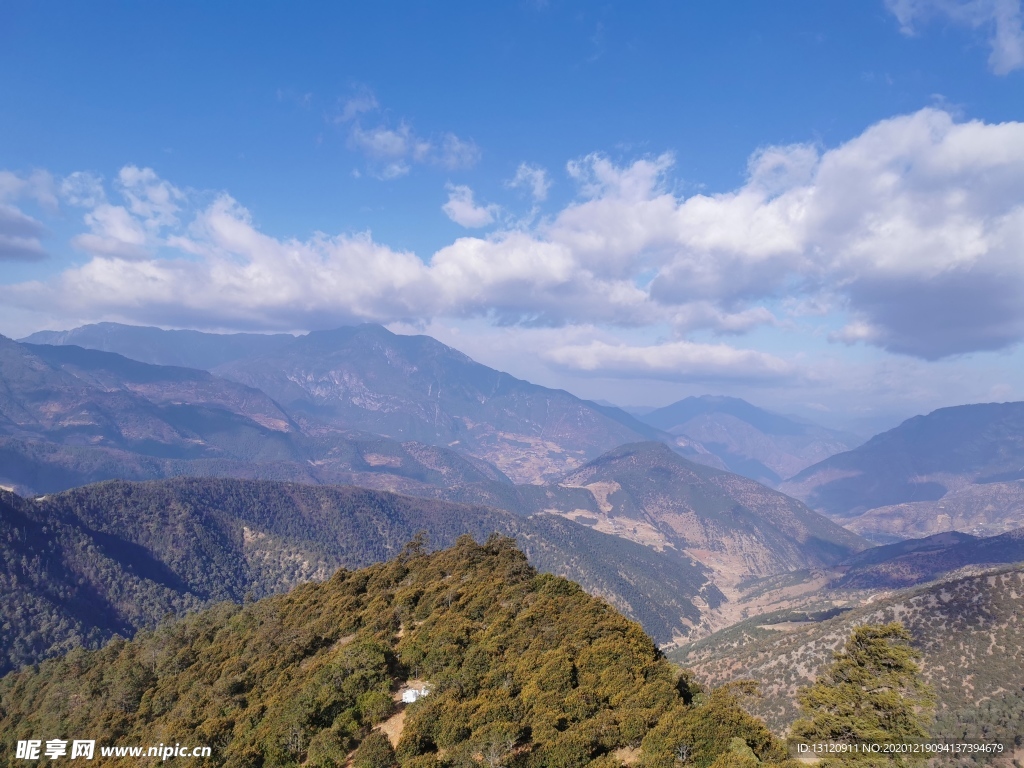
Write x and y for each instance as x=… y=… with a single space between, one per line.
x=114 y=557
x=522 y=670
x=970 y=631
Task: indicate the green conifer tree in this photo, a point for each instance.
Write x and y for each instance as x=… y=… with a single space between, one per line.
x=872 y=693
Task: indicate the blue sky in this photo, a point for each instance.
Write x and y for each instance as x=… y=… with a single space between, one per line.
x=816 y=206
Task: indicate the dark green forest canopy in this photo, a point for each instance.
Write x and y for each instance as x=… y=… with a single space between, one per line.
x=114 y=557
x=526 y=670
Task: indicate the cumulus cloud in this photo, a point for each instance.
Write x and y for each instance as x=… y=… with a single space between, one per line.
x=532 y=178
x=463 y=210
x=1002 y=19
x=115 y=233
x=673 y=361
x=909 y=234
x=149 y=197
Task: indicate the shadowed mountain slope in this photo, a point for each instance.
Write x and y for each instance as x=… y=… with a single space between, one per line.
x=751 y=441
x=84 y=564
x=920 y=560
x=921 y=460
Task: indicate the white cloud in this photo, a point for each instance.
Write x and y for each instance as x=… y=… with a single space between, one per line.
x=534 y=179
x=360 y=104
x=672 y=361
x=150 y=197
x=463 y=210
x=37 y=185
x=855 y=332
x=910 y=234
x=392 y=151
x=83 y=189
x=455 y=153
x=381 y=142
x=115 y=233
x=1002 y=19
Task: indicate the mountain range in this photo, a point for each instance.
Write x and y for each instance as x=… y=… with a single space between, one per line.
x=955 y=468
x=241 y=466
x=70 y=416
x=85 y=564
x=407 y=388
x=75 y=415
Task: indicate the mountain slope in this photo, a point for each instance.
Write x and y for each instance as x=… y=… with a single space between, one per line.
x=969 y=630
x=408 y=388
x=70 y=416
x=751 y=441
x=982 y=510
x=83 y=397
x=114 y=557
x=920 y=560
x=733 y=525
x=519 y=668
x=415 y=388
x=921 y=460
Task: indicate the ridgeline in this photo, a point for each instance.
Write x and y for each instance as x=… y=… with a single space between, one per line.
x=523 y=670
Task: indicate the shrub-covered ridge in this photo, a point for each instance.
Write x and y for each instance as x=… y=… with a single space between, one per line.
x=525 y=670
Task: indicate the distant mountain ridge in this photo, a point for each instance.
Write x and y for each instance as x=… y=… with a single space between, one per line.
x=969 y=452
x=70 y=416
x=188 y=349
x=765 y=446
x=407 y=388
x=916 y=561
x=985 y=509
